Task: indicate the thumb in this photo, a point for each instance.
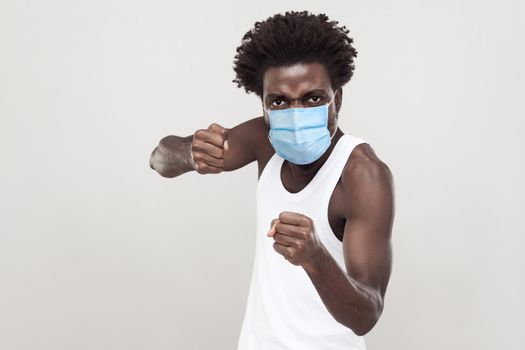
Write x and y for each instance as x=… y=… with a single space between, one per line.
x=225 y=135
x=272 y=229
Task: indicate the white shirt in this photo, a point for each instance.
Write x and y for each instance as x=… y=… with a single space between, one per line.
x=284 y=310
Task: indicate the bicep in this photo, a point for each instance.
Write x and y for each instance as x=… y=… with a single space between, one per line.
x=367 y=234
x=241 y=145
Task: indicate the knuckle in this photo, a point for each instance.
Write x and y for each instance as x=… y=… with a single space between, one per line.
x=198 y=156
x=196 y=145
x=306 y=220
x=209 y=168
x=212 y=159
x=200 y=133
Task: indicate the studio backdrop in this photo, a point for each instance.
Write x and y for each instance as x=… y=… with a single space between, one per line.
x=97 y=251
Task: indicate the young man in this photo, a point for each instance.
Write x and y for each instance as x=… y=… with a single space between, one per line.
x=325 y=201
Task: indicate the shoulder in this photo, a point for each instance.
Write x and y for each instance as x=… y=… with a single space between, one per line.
x=366 y=178
x=363 y=164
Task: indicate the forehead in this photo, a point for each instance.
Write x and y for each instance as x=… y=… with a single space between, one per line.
x=295 y=80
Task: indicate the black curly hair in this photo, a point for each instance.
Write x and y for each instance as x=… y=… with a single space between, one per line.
x=295 y=37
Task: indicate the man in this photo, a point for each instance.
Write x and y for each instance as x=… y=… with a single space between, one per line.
x=325 y=201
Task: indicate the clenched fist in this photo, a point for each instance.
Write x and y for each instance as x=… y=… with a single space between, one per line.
x=295 y=238
x=208 y=148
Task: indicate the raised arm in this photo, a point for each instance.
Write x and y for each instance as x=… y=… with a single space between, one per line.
x=355 y=297
x=207 y=151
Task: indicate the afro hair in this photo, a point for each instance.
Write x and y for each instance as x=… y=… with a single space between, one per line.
x=292 y=38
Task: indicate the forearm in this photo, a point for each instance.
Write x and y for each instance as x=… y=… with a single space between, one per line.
x=172 y=157
x=349 y=301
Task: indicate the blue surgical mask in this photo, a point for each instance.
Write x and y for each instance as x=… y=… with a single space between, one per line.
x=300 y=135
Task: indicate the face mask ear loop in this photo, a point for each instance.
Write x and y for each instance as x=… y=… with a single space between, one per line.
x=336 y=119
x=331 y=137
x=332 y=100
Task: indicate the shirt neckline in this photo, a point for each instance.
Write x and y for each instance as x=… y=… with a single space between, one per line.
x=299 y=196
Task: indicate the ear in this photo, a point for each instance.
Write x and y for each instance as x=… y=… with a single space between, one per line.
x=338 y=99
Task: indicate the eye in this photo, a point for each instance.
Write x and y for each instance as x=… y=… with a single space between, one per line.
x=316 y=98
x=278 y=104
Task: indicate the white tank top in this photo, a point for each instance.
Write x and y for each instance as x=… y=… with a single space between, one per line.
x=283 y=309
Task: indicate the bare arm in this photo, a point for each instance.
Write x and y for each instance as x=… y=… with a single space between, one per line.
x=207 y=151
x=355 y=297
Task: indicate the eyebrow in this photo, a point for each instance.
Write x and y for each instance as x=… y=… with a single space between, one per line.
x=275 y=95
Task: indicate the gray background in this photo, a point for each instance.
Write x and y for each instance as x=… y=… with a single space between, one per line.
x=97 y=251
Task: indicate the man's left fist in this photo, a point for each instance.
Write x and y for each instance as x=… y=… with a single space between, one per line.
x=295 y=238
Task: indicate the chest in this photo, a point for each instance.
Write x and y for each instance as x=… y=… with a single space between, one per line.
x=336 y=204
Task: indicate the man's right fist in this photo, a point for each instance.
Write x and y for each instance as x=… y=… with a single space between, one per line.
x=208 y=148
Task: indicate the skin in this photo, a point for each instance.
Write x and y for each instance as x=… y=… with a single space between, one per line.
x=361 y=208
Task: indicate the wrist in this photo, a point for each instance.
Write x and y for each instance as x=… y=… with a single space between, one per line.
x=317 y=260
x=190 y=161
